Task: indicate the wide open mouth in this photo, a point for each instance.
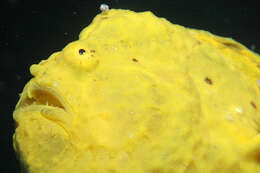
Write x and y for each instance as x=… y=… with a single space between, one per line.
x=39 y=95
x=48 y=101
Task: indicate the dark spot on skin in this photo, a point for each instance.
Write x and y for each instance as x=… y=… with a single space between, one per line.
x=92 y=51
x=232 y=45
x=208 y=80
x=253 y=104
x=258 y=65
x=112 y=171
x=81 y=51
x=156 y=171
x=199 y=42
x=135 y=60
x=191 y=165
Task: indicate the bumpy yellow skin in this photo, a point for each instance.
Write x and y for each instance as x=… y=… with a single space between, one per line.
x=146 y=96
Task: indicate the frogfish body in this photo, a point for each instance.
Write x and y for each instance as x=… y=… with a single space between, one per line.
x=138 y=94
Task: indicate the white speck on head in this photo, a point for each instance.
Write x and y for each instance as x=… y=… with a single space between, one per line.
x=55 y=84
x=115 y=48
x=104 y=8
x=131 y=113
x=131 y=136
x=258 y=82
x=239 y=110
x=230 y=118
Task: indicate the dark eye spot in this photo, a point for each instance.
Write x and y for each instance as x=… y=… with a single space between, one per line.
x=81 y=51
x=208 y=80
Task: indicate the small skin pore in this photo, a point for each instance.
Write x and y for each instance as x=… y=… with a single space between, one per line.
x=135 y=60
x=208 y=80
x=253 y=104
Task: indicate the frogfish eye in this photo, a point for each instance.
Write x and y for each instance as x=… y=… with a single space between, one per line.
x=81 y=51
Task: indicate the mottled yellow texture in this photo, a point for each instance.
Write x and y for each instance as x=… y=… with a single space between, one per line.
x=137 y=94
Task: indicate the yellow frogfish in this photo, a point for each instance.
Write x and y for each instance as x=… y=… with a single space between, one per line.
x=138 y=94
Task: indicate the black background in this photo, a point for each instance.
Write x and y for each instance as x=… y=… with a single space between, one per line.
x=30 y=30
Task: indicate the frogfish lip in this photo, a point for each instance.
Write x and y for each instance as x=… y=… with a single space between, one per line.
x=42 y=118
x=51 y=104
x=42 y=95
